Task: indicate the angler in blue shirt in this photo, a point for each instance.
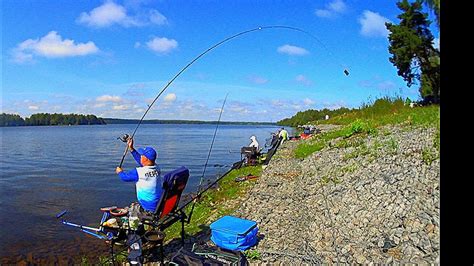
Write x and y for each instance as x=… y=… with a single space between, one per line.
x=147 y=177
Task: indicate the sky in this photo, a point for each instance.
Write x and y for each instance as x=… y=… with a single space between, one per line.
x=112 y=58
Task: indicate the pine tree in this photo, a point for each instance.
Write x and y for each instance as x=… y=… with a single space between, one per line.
x=411 y=46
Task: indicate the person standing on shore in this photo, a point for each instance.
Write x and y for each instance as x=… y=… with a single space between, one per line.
x=283 y=135
x=147 y=176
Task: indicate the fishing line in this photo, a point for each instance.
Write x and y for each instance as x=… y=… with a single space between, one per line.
x=212 y=143
x=346 y=71
x=194 y=200
x=210 y=49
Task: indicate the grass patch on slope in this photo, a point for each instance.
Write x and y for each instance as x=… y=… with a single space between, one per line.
x=324 y=140
x=389 y=111
x=367 y=119
x=212 y=203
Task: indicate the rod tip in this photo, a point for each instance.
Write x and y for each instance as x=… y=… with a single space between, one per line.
x=59 y=215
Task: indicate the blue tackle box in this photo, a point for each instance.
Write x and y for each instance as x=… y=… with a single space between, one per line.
x=234 y=233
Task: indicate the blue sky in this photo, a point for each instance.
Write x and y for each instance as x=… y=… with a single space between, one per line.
x=111 y=58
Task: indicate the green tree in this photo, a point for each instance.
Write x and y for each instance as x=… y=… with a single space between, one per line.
x=44 y=119
x=7 y=120
x=435 y=6
x=411 y=46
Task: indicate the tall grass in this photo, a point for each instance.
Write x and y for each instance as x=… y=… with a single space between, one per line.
x=388 y=110
x=370 y=116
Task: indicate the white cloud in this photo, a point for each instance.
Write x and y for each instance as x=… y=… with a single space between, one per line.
x=337 y=6
x=21 y=57
x=111 y=13
x=162 y=45
x=109 y=98
x=33 y=107
x=121 y=107
x=157 y=18
x=303 y=80
x=99 y=105
x=292 y=50
x=170 y=97
x=373 y=24
x=105 y=15
x=333 y=8
x=52 y=46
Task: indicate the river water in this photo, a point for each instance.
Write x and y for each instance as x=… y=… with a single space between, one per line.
x=44 y=170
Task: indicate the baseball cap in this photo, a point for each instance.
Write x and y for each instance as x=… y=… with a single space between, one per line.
x=148 y=152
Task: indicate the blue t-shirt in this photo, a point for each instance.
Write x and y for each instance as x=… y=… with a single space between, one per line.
x=148 y=183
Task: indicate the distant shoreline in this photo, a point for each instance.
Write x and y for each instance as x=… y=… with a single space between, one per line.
x=47 y=119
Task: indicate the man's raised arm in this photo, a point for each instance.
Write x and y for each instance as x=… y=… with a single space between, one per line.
x=134 y=153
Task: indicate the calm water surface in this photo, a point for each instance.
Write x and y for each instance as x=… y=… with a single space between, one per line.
x=44 y=170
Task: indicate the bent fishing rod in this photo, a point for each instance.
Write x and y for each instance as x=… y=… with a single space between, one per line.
x=126 y=136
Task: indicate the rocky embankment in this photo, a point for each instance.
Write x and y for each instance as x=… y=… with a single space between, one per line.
x=366 y=199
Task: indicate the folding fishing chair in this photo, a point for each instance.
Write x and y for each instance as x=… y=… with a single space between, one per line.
x=165 y=215
x=249 y=154
x=166 y=212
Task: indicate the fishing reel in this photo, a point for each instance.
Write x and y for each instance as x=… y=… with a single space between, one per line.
x=124 y=138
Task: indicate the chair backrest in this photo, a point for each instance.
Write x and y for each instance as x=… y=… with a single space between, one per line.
x=248 y=150
x=174 y=183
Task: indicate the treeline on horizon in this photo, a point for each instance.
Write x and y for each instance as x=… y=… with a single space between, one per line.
x=46 y=119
